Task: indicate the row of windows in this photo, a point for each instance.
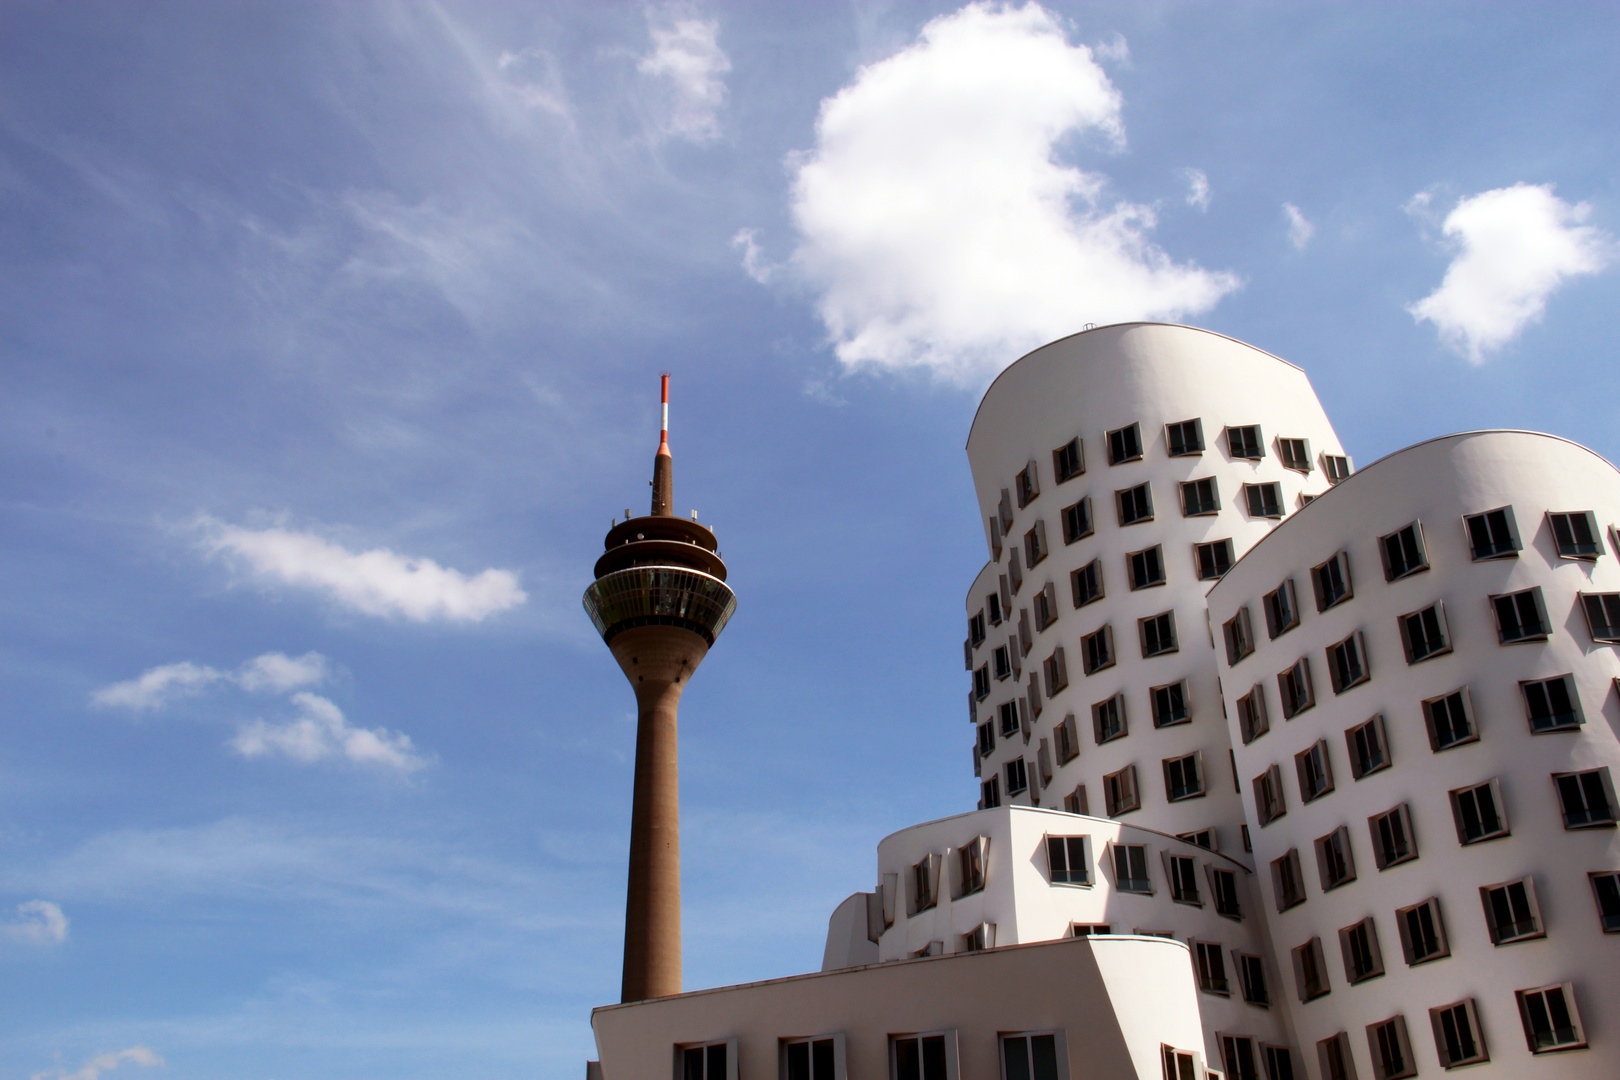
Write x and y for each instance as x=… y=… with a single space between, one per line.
x=1039 y=1055
x=1547 y=1013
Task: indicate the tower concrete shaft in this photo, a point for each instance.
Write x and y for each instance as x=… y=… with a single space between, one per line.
x=659 y=601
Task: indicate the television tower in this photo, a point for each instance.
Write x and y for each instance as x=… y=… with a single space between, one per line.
x=659 y=600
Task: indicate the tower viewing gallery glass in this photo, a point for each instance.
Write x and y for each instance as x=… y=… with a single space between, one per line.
x=659 y=601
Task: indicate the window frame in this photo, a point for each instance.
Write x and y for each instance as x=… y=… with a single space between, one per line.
x=1067 y=843
x=1254 y=719
x=1566 y=993
x=1066 y=739
x=1605 y=788
x=1224 y=898
x=1077 y=521
x=952 y=1058
x=1569 y=517
x=1496 y=550
x=1386 y=860
x=1281 y=601
x=1091 y=573
x=840 y=1055
x=1493 y=788
x=1314 y=757
x=1575 y=718
x=1608 y=920
x=1310 y=958
x=1437 y=1018
x=1607 y=633
x=1543 y=629
x=1340 y=654
x=1330 y=468
x=1221 y=547
x=1258 y=506
x=1335 y=847
x=730 y=1066
x=1114 y=851
x=1255 y=992
x=1036 y=549
x=1515 y=930
x=1128 y=446
x=1196 y=426
x=1169 y=691
x=1436 y=923
x=1431 y=724
x=1245 y=447
x=1358 y=763
x=1055 y=672
x=1092 y=658
x=1200 y=508
x=1146 y=487
x=1394 y=1029
x=1287 y=868
x=1341 y=559
x=1409 y=641
x=1339 y=1062
x=1233 y=1053
x=1299 y=464
x=1209 y=967
x=1021 y=768
x=1147 y=559
x=1269 y=804
x=1399 y=572
x=1238 y=634
x=1295 y=688
x=1060 y=1049
x=1068 y=461
x=1181 y=871
x=1129 y=801
x=1166 y=642
x=1027 y=484
x=1199 y=786
x=1368 y=930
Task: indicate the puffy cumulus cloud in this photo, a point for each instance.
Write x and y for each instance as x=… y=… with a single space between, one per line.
x=321 y=731
x=1515 y=247
x=1197 y=188
x=689 y=68
x=938 y=225
x=38 y=922
x=272 y=673
x=1300 y=229
x=378 y=582
x=102 y=1063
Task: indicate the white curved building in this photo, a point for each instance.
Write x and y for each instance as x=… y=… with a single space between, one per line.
x=1119 y=472
x=1428 y=782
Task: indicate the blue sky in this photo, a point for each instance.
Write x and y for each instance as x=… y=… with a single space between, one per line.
x=330 y=339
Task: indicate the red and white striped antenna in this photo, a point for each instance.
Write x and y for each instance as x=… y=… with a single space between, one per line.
x=663 y=428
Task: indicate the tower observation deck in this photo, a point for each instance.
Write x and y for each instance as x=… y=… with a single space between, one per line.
x=659 y=601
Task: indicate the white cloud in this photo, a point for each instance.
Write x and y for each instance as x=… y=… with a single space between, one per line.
x=321 y=731
x=1300 y=230
x=753 y=261
x=1197 y=188
x=1515 y=247
x=690 y=67
x=38 y=922
x=101 y=1063
x=378 y=582
x=937 y=223
x=272 y=673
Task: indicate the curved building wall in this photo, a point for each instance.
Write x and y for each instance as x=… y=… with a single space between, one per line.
x=1084 y=387
x=1437 y=757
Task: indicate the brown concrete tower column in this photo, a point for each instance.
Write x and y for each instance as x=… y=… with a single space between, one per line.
x=659 y=601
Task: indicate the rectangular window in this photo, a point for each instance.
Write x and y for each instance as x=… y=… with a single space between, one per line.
x=1336 y=467
x=1450 y=720
x=1310 y=970
x=1457 y=1036
x=1146 y=567
x=1602 y=615
x=995 y=538
x=1550 y=1019
x=1423 y=932
x=1055 y=671
x=1214 y=559
x=1335 y=865
x=1264 y=500
x=1279 y=1063
x=1066 y=856
x=1108 y=719
x=1520 y=616
x=1170 y=704
x=1245 y=442
x=971 y=858
x=981 y=682
x=1158 y=634
x=1332 y=581
x=1315 y=772
x=1067 y=740
x=1477 y=811
x=1089 y=929
x=1333 y=1054
x=1200 y=497
x=1576 y=535
x=1183 y=874
x=1135 y=504
x=1035 y=546
x=1046 y=608
x=1282 y=610
x=1086 y=583
x=813 y=1059
x=1552 y=704
x=1183 y=778
x=1404 y=553
x=1120 y=792
x=1015 y=571
x=714 y=1061
x=1606 y=890
x=1586 y=798
x=924 y=884
x=1295 y=454
x=1001 y=660
x=992 y=604
x=1204 y=838
x=1362 y=958
x=1347 y=663
x=976 y=630
x=1185 y=438
x=1393 y=842
x=987 y=739
x=1492 y=535
x=1391 y=1050
x=1252 y=719
x=1239 y=636
x=1223 y=887
x=978 y=939
x=1211 y=968
x=1296 y=689
x=1131 y=868
x=923 y=1057
x=1424 y=633
x=1237 y=1052
x=1511 y=912
x=1268 y=796
x=990 y=793
x=1178 y=1064
x=1008 y=712
x=1125 y=444
x=1076 y=802
x=1005 y=511
x=1028 y=485
x=1068 y=460
x=1032 y=1057
x=1368 y=746
x=1097 y=649
x=1077 y=524
x=1017 y=776
x=1252 y=976
x=1287 y=883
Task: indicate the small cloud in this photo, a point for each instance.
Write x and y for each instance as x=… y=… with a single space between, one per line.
x=532 y=77
x=101 y=1063
x=379 y=582
x=272 y=673
x=321 y=731
x=1300 y=230
x=1515 y=247
x=38 y=922
x=690 y=66
x=1197 y=188
x=753 y=261
x=1114 y=50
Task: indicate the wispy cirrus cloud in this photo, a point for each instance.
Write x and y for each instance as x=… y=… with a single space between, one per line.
x=378 y=582
x=1300 y=229
x=319 y=732
x=1514 y=247
x=938 y=223
x=37 y=922
x=102 y=1063
x=1197 y=188
x=689 y=68
x=272 y=672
